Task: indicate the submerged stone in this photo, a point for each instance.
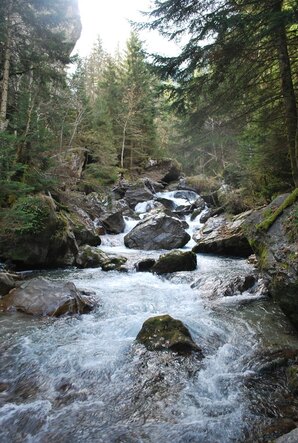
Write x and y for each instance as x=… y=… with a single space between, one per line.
x=163 y=333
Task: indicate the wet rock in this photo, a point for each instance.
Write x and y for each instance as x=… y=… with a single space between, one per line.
x=168 y=204
x=137 y=193
x=237 y=285
x=43 y=297
x=166 y=170
x=273 y=235
x=190 y=196
x=223 y=237
x=279 y=427
x=145 y=265
x=290 y=437
x=175 y=261
x=113 y=222
x=159 y=231
x=211 y=213
x=90 y=257
x=269 y=361
x=166 y=333
x=292 y=377
x=8 y=281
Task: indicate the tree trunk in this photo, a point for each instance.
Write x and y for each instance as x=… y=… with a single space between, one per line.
x=123 y=143
x=5 y=80
x=288 y=92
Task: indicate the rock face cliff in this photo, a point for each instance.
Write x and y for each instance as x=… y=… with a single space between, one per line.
x=273 y=234
x=73 y=26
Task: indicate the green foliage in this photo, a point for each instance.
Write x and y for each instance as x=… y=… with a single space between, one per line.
x=233 y=86
x=97 y=176
x=27 y=216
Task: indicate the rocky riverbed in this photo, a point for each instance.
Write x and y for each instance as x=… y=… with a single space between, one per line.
x=85 y=376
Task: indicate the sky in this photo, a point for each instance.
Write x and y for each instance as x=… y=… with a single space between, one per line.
x=109 y=19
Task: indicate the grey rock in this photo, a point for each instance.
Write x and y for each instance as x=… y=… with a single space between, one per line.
x=113 y=221
x=159 y=231
x=223 y=237
x=137 y=194
x=290 y=437
x=43 y=297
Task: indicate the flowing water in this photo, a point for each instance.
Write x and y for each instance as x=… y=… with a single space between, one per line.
x=84 y=379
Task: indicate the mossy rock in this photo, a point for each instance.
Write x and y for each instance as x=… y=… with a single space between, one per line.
x=164 y=333
x=34 y=234
x=271 y=216
x=175 y=261
x=91 y=257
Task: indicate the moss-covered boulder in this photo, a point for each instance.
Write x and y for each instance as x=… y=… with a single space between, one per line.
x=273 y=235
x=90 y=257
x=43 y=297
x=163 y=333
x=35 y=234
x=175 y=261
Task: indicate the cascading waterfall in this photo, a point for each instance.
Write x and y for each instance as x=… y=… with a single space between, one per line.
x=84 y=378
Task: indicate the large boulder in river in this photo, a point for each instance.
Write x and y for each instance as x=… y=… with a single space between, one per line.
x=273 y=234
x=175 y=261
x=35 y=234
x=159 y=231
x=113 y=221
x=164 y=333
x=43 y=297
x=223 y=237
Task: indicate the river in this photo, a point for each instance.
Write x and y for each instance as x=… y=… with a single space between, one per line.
x=84 y=379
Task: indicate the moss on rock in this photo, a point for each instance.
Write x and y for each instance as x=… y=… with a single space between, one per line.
x=34 y=234
x=163 y=333
x=270 y=219
x=175 y=261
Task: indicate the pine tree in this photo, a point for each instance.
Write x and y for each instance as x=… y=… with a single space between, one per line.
x=242 y=52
